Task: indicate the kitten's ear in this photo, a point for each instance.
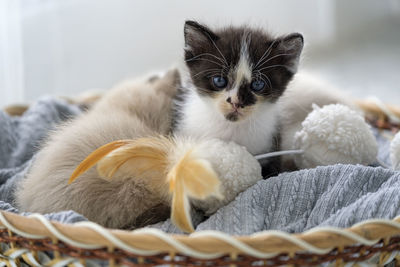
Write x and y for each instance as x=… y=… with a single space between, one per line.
x=292 y=45
x=195 y=34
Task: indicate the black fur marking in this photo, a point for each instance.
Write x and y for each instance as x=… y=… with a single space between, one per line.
x=194 y=27
x=217 y=53
x=232 y=116
x=272 y=166
x=245 y=96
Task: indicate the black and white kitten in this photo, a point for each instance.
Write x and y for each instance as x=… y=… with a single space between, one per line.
x=234 y=77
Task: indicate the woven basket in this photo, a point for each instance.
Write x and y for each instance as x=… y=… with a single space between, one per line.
x=35 y=241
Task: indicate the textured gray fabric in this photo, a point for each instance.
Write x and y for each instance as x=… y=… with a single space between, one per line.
x=339 y=195
x=20 y=138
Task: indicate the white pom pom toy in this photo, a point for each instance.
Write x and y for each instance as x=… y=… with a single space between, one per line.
x=330 y=135
x=335 y=134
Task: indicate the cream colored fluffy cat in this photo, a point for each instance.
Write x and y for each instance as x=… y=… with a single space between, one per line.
x=133 y=109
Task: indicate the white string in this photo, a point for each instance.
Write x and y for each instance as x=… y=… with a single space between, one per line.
x=341 y=232
x=278 y=153
x=117 y=242
x=177 y=245
x=235 y=243
x=299 y=242
x=65 y=262
x=8 y=263
x=59 y=235
x=32 y=259
x=391 y=223
x=18 y=253
x=382 y=163
x=17 y=231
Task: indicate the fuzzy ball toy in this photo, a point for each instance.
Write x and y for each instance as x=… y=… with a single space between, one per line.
x=334 y=134
x=395 y=152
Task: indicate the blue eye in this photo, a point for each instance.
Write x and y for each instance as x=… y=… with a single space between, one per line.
x=257 y=85
x=219 y=82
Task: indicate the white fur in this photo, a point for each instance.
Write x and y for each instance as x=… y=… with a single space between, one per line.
x=203 y=119
x=243 y=68
x=243 y=71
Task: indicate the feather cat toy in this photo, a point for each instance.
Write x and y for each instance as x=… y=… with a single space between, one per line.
x=178 y=170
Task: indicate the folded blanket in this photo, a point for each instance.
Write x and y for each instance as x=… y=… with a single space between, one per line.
x=338 y=195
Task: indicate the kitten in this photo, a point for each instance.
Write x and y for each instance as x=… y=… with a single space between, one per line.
x=234 y=77
x=133 y=109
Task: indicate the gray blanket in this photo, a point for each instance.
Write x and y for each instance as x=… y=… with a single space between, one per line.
x=338 y=195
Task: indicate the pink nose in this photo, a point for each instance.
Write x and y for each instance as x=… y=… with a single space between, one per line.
x=235 y=105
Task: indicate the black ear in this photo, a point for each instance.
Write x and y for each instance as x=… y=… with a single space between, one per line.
x=196 y=34
x=292 y=45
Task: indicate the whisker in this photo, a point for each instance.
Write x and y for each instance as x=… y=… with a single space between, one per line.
x=269 y=49
x=269 y=59
x=207 y=71
x=259 y=75
x=272 y=66
x=207 y=54
x=209 y=60
x=269 y=81
x=219 y=51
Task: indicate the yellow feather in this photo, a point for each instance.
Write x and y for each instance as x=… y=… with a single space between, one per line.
x=148 y=153
x=180 y=210
x=190 y=178
x=143 y=154
x=95 y=157
x=200 y=180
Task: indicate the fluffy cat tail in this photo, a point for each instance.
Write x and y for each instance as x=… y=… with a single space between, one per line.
x=159 y=161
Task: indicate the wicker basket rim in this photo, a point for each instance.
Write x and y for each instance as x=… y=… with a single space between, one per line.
x=203 y=245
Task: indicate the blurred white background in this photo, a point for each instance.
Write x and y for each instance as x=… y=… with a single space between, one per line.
x=64 y=47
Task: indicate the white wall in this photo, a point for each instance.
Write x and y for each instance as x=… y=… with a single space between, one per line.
x=69 y=46
x=11 y=58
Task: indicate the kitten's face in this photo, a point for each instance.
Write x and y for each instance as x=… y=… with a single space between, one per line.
x=240 y=68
